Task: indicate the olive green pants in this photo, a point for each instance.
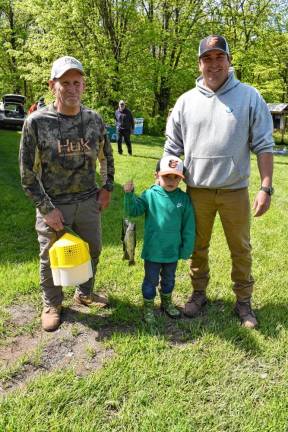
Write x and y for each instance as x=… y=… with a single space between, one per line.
x=85 y=219
x=233 y=207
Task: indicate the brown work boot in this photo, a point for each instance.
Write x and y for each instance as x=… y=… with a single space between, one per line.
x=195 y=304
x=91 y=300
x=51 y=317
x=244 y=311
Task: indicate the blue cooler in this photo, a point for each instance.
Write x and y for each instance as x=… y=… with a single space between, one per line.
x=138 y=129
x=111 y=130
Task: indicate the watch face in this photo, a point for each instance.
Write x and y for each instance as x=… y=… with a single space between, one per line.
x=268 y=190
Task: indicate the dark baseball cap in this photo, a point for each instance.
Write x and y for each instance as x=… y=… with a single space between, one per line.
x=213 y=42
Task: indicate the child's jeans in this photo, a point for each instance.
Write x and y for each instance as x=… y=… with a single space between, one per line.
x=151 y=279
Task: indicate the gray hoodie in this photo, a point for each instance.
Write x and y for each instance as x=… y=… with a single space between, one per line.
x=215 y=131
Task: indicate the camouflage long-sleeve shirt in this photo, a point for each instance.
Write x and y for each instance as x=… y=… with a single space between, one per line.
x=58 y=156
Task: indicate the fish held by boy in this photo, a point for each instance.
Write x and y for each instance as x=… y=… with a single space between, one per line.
x=129 y=240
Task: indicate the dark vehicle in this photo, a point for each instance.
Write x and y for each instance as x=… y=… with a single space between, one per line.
x=12 y=111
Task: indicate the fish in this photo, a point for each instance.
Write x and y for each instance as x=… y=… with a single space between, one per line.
x=129 y=240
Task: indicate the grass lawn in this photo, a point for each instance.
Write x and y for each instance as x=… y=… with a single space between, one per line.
x=279 y=140
x=104 y=370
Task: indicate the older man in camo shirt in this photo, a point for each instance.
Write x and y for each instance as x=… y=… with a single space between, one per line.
x=58 y=153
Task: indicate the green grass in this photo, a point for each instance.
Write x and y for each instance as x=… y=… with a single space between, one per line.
x=278 y=138
x=206 y=374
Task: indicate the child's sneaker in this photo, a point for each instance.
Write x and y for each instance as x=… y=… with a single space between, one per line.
x=168 y=307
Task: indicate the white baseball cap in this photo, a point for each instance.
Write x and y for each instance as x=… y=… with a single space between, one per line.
x=171 y=165
x=63 y=65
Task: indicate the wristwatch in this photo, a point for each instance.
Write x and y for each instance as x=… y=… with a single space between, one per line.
x=269 y=190
x=108 y=186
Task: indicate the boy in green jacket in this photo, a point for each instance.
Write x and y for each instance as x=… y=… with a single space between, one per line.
x=169 y=232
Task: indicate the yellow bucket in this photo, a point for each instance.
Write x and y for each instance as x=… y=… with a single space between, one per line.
x=69 y=251
x=70 y=261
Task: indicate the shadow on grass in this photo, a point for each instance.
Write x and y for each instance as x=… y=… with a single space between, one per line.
x=277 y=162
x=218 y=319
x=273 y=318
x=146 y=157
x=142 y=140
x=148 y=140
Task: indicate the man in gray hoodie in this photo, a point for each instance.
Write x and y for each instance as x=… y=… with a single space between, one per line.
x=216 y=126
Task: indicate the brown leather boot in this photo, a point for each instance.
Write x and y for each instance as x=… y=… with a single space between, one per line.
x=51 y=317
x=91 y=300
x=244 y=311
x=195 y=304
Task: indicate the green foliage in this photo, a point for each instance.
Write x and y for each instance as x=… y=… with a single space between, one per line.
x=106 y=114
x=154 y=126
x=143 y=52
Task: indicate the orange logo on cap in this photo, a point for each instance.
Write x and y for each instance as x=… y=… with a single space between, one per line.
x=212 y=41
x=173 y=163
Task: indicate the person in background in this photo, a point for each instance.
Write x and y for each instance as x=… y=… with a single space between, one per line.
x=124 y=126
x=169 y=232
x=41 y=103
x=32 y=108
x=216 y=126
x=59 y=147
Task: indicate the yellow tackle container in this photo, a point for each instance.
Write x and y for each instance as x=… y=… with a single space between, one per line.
x=70 y=261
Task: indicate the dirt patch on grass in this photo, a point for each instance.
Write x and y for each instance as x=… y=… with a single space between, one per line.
x=22 y=314
x=75 y=344
x=79 y=342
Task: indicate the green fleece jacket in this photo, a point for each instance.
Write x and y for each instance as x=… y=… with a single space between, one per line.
x=169 y=223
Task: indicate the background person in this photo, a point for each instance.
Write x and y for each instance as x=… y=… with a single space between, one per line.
x=215 y=126
x=169 y=232
x=124 y=126
x=58 y=151
x=41 y=103
x=32 y=108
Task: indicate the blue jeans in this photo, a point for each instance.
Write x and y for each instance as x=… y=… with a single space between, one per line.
x=151 y=279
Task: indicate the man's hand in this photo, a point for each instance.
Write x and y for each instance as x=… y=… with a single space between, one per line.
x=55 y=220
x=265 y=166
x=261 y=203
x=104 y=198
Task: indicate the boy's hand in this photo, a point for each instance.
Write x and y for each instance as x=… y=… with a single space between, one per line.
x=129 y=186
